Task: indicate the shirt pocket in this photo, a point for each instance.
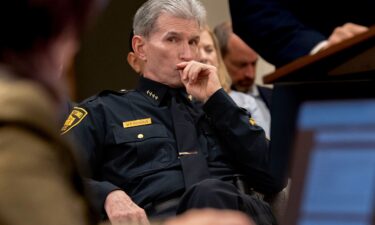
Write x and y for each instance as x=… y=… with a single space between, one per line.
x=154 y=149
x=140 y=134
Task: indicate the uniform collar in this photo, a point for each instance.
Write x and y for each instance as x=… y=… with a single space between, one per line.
x=156 y=92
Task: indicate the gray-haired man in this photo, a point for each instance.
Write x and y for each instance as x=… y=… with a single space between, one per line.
x=157 y=150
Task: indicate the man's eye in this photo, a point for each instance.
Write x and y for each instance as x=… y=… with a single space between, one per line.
x=193 y=42
x=172 y=39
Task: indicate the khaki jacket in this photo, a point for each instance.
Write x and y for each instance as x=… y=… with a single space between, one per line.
x=38 y=180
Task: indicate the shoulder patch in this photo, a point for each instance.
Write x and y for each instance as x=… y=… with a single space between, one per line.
x=75 y=117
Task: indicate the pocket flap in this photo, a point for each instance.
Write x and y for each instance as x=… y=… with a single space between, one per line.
x=141 y=133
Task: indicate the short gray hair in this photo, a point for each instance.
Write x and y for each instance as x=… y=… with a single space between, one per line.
x=149 y=12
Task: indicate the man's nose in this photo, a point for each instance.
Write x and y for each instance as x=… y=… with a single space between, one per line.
x=250 y=75
x=250 y=72
x=187 y=53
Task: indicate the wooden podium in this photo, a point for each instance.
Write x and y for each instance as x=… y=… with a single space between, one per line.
x=345 y=71
x=323 y=133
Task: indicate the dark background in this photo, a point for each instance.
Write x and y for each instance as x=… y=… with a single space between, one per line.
x=101 y=63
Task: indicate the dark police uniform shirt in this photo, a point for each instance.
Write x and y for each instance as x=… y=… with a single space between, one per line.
x=128 y=140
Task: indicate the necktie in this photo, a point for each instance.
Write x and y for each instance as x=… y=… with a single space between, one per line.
x=194 y=165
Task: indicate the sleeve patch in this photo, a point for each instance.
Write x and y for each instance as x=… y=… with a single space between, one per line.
x=75 y=117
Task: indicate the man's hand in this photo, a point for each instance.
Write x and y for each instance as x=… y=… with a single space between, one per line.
x=210 y=217
x=200 y=80
x=122 y=210
x=344 y=32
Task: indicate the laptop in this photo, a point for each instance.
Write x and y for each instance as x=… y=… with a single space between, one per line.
x=333 y=164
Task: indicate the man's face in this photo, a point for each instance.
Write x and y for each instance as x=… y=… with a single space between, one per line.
x=173 y=40
x=240 y=62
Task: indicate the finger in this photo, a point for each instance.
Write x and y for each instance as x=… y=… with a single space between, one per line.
x=187 y=72
x=355 y=28
x=128 y=216
x=142 y=217
x=339 y=35
x=198 y=70
x=194 y=72
x=181 y=65
x=132 y=218
x=346 y=31
x=181 y=68
x=144 y=221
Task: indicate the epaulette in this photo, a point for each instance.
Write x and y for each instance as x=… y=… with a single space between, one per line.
x=105 y=93
x=119 y=92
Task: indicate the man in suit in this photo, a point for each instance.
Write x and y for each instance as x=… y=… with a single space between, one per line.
x=284 y=30
x=240 y=60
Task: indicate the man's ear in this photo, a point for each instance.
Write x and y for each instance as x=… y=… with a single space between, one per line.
x=132 y=60
x=139 y=46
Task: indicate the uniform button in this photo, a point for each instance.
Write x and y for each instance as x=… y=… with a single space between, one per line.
x=140 y=136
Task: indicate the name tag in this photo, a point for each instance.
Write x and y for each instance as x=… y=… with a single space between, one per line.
x=137 y=123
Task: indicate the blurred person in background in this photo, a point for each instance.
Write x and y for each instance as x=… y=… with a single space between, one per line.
x=39 y=182
x=210 y=54
x=284 y=30
x=240 y=61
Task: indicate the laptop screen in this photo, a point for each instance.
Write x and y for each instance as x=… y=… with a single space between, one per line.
x=333 y=171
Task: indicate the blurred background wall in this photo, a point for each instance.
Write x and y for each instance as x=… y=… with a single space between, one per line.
x=101 y=63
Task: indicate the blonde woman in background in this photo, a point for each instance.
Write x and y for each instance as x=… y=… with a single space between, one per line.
x=210 y=54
